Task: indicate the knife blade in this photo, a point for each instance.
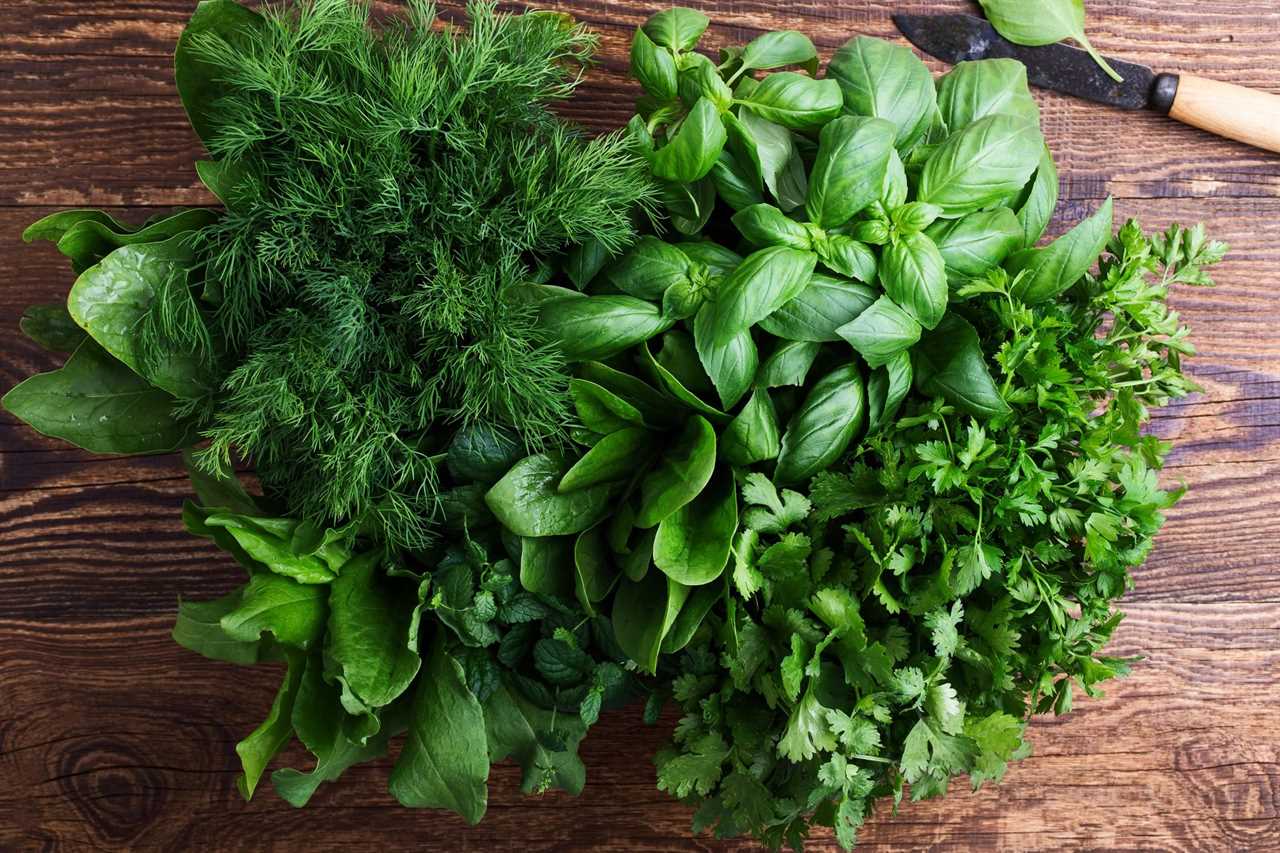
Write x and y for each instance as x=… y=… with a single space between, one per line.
x=1232 y=111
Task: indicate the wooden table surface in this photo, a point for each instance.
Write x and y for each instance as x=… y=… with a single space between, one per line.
x=114 y=738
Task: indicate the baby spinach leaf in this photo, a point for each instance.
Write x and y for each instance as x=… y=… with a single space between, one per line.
x=888 y=81
x=294 y=613
x=88 y=242
x=653 y=67
x=543 y=742
x=824 y=426
x=547 y=565
x=974 y=90
x=528 y=503
x=982 y=240
x=53 y=226
x=692 y=544
x=949 y=363
x=677 y=389
x=886 y=389
x=914 y=275
x=986 y=162
x=594 y=573
x=695 y=147
x=683 y=473
x=200 y=82
x=373 y=639
x=788 y=364
x=110 y=300
x=445 y=760
x=481 y=453
x=795 y=101
x=589 y=328
x=1043 y=23
x=614 y=457
x=849 y=172
x=1049 y=271
x=700 y=602
x=600 y=410
x=51 y=327
x=826 y=304
x=643 y=613
x=764 y=282
x=1040 y=199
x=678 y=28
x=267 y=540
x=98 y=404
x=752 y=436
x=881 y=332
x=779 y=49
x=654 y=407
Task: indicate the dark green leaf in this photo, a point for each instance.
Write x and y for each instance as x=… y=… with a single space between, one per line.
x=684 y=471
x=752 y=436
x=51 y=327
x=788 y=364
x=826 y=304
x=949 y=363
x=692 y=544
x=888 y=81
x=849 y=173
x=528 y=503
x=200 y=83
x=614 y=457
x=481 y=453
x=825 y=425
x=294 y=613
x=643 y=613
x=589 y=328
x=881 y=332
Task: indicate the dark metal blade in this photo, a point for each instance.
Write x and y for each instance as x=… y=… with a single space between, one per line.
x=958 y=38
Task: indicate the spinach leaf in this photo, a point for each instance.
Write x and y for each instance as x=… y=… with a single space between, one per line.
x=974 y=90
x=684 y=471
x=795 y=101
x=849 y=172
x=1043 y=23
x=294 y=613
x=949 y=363
x=914 y=275
x=824 y=426
x=643 y=613
x=547 y=565
x=481 y=453
x=98 y=404
x=528 y=502
x=199 y=628
x=752 y=436
x=1038 y=201
x=445 y=760
x=985 y=163
x=982 y=240
x=1049 y=271
x=614 y=457
x=88 y=242
x=589 y=328
x=51 y=327
x=267 y=540
x=677 y=28
x=200 y=82
x=888 y=81
x=691 y=153
x=654 y=407
x=826 y=304
x=881 y=332
x=653 y=67
x=692 y=544
x=677 y=389
x=266 y=741
x=53 y=226
x=594 y=573
x=779 y=49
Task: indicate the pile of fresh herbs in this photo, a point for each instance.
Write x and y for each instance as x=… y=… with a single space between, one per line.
x=836 y=458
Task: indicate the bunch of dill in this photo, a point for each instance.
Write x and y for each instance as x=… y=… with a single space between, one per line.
x=392 y=183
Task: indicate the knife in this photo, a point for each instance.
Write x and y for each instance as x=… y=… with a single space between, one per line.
x=1236 y=112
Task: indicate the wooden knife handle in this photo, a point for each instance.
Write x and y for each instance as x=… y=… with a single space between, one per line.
x=1236 y=112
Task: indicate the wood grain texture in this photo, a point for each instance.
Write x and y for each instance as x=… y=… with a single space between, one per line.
x=112 y=738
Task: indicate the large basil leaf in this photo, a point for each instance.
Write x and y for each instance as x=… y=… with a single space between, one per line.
x=699 y=78
x=781 y=166
x=1050 y=271
x=886 y=389
x=692 y=544
x=643 y=613
x=949 y=363
x=986 y=162
x=849 y=172
x=614 y=457
x=778 y=49
x=528 y=503
x=765 y=225
x=445 y=760
x=1035 y=209
x=978 y=242
x=735 y=183
x=294 y=613
x=111 y=299
x=695 y=147
x=544 y=743
x=881 y=332
x=684 y=471
x=678 y=28
x=590 y=328
x=887 y=81
x=974 y=90
x=915 y=276
x=653 y=67
x=823 y=427
x=649 y=268
x=761 y=284
x=373 y=636
x=730 y=362
x=795 y=101
x=97 y=403
x=826 y=304
x=53 y=226
x=201 y=83
x=788 y=364
x=752 y=436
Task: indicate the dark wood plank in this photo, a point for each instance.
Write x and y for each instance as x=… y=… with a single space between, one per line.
x=113 y=738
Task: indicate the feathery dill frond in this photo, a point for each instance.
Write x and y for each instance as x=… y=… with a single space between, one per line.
x=399 y=183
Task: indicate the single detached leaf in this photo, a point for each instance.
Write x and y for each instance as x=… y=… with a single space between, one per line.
x=692 y=545
x=1045 y=22
x=99 y=404
x=445 y=760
